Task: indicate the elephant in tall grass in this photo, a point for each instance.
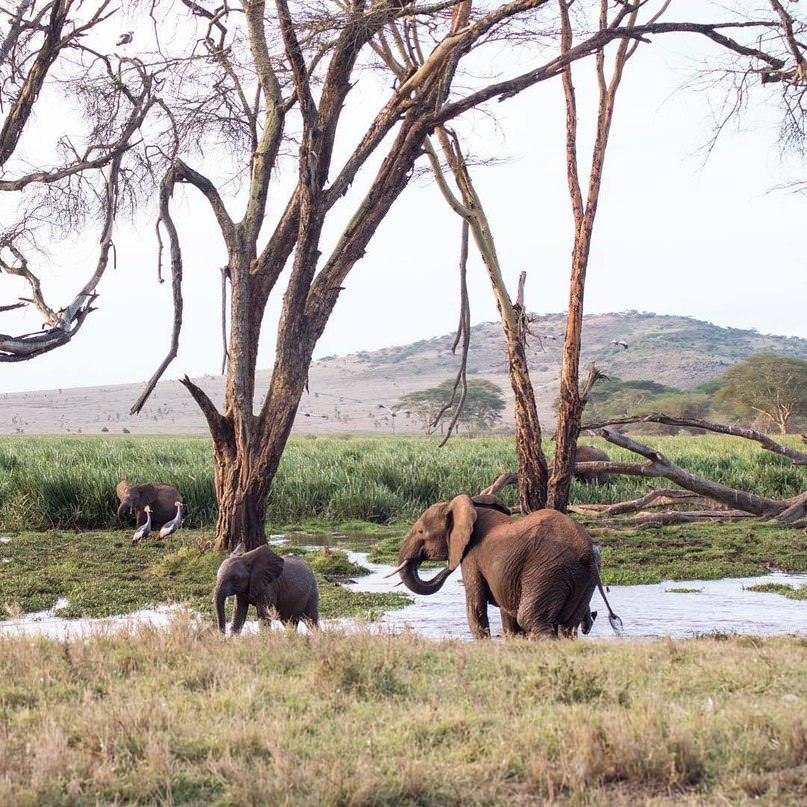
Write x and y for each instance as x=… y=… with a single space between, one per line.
x=161 y=498
x=586 y=453
x=540 y=569
x=282 y=587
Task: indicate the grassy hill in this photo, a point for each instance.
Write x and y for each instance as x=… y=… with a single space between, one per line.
x=346 y=393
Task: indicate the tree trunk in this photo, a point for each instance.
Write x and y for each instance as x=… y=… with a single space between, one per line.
x=532 y=468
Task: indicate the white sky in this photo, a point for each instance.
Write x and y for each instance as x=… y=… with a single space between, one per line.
x=674 y=235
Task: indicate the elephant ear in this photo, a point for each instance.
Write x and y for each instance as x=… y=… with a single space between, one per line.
x=122 y=489
x=460 y=519
x=265 y=570
x=493 y=502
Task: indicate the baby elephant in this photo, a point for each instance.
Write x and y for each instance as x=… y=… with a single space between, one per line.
x=285 y=589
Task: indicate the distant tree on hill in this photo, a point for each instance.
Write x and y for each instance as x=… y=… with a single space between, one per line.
x=617 y=398
x=768 y=385
x=482 y=409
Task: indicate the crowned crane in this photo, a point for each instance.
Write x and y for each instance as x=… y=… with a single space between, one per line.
x=144 y=529
x=124 y=39
x=170 y=527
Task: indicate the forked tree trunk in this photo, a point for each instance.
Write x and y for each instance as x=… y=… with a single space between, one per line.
x=242 y=507
x=532 y=468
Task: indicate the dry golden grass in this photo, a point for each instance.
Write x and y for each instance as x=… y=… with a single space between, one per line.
x=184 y=716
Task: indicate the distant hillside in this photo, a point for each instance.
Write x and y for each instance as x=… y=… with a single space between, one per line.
x=346 y=393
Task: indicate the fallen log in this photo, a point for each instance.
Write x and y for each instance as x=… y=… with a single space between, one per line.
x=656 y=498
x=798 y=457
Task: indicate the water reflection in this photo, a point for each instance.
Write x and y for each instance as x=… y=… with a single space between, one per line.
x=725 y=606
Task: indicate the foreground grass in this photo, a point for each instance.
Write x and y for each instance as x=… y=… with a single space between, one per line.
x=183 y=716
x=69 y=482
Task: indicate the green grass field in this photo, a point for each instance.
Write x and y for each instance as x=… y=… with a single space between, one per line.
x=69 y=482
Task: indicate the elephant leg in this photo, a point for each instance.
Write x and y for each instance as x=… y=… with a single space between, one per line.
x=240 y=612
x=511 y=626
x=477 y=596
x=537 y=619
x=264 y=616
x=312 y=611
x=478 y=620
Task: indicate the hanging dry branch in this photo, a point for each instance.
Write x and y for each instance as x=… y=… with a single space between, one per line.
x=166 y=190
x=463 y=338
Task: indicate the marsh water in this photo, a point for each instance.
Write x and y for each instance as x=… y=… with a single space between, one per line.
x=662 y=609
x=724 y=606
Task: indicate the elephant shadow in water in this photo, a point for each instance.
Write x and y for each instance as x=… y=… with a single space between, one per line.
x=279 y=588
x=540 y=569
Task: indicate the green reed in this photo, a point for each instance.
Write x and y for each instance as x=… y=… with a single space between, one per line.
x=69 y=482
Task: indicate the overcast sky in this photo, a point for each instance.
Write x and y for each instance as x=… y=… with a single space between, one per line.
x=675 y=234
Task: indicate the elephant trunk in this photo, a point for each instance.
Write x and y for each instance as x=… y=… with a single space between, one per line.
x=410 y=575
x=219 y=598
x=124 y=506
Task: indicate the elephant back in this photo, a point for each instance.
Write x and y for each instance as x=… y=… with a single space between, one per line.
x=586 y=453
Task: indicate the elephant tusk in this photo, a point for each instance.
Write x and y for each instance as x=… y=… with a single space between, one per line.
x=396 y=569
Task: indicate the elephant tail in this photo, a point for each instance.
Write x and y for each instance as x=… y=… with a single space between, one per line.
x=613 y=620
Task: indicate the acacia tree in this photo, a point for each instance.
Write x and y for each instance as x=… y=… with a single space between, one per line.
x=91 y=162
x=285 y=103
x=481 y=408
x=768 y=385
x=537 y=488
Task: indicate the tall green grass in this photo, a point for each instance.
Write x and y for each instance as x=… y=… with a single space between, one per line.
x=69 y=482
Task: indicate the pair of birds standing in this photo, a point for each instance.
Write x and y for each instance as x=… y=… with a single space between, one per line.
x=169 y=528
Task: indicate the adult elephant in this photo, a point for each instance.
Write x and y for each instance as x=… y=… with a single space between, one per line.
x=161 y=498
x=281 y=587
x=540 y=570
x=586 y=453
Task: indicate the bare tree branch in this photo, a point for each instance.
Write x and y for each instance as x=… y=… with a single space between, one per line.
x=798 y=457
x=166 y=190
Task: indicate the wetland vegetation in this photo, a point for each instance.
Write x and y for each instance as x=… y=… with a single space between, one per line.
x=181 y=715
x=57 y=505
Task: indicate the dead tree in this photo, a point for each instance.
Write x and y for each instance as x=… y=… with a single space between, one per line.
x=43 y=52
x=398 y=46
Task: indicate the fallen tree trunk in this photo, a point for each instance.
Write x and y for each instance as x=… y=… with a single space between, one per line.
x=659 y=465
x=656 y=498
x=786 y=511
x=798 y=457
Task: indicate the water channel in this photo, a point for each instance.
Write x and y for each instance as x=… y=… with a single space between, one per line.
x=724 y=606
